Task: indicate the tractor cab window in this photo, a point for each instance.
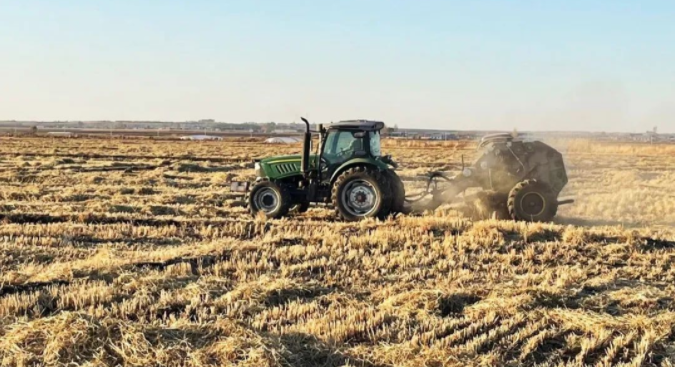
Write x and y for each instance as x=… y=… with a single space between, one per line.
x=375 y=143
x=341 y=145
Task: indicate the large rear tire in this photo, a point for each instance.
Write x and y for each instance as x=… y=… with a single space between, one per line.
x=398 y=192
x=532 y=201
x=269 y=198
x=359 y=193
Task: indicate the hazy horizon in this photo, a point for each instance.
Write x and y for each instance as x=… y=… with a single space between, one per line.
x=4 y=121
x=486 y=65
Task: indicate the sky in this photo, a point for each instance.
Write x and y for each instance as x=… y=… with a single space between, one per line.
x=457 y=65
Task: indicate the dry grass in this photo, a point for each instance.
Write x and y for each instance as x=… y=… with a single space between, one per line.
x=133 y=252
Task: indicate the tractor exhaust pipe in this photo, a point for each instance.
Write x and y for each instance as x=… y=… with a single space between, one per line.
x=306 y=145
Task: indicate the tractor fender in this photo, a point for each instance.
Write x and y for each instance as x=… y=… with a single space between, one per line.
x=366 y=162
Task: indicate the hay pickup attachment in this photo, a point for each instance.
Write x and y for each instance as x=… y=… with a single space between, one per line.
x=518 y=180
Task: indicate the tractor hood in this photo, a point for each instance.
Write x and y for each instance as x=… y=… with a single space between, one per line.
x=282 y=166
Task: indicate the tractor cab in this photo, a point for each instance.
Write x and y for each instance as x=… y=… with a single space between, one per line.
x=347 y=140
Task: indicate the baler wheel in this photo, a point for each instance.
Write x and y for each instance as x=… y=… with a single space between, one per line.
x=532 y=201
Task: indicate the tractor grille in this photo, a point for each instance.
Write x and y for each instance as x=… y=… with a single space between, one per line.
x=284 y=168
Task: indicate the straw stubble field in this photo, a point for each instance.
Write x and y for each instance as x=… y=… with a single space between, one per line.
x=133 y=252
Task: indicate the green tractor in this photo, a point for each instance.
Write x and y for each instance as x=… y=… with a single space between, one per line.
x=348 y=171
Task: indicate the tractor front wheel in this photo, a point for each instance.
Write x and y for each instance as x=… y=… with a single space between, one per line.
x=532 y=201
x=360 y=193
x=271 y=199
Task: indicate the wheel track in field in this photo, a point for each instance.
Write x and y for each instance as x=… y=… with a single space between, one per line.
x=125 y=157
x=29 y=287
x=492 y=336
x=89 y=218
x=228 y=227
x=545 y=342
x=196 y=264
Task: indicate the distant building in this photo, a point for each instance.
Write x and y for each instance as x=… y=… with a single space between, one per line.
x=62 y=134
x=651 y=136
x=200 y=137
x=443 y=136
x=285 y=131
x=282 y=140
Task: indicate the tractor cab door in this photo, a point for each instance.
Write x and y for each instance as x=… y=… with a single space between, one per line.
x=341 y=146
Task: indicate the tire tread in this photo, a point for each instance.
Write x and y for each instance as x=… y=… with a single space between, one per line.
x=382 y=184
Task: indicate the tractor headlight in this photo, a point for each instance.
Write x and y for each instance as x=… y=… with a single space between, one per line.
x=258 y=171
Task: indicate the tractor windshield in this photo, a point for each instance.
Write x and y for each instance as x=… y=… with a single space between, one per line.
x=375 y=143
x=340 y=145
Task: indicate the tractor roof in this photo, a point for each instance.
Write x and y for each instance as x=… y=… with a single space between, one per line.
x=367 y=125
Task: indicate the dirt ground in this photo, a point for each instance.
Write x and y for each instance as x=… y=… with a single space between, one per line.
x=134 y=252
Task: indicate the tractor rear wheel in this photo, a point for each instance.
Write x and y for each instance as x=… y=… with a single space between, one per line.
x=397 y=191
x=271 y=199
x=359 y=193
x=532 y=201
